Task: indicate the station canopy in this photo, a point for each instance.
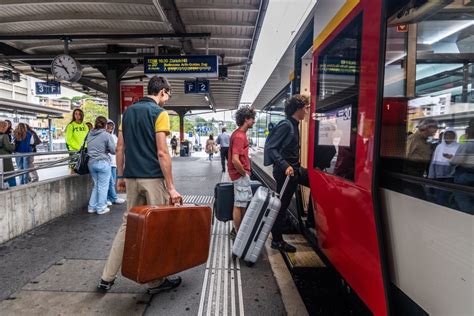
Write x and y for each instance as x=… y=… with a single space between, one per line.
x=117 y=34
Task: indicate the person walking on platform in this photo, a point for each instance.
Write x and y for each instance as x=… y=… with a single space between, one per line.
x=99 y=145
x=6 y=148
x=211 y=147
x=23 y=142
x=239 y=165
x=76 y=132
x=146 y=175
x=282 y=149
x=223 y=142
x=112 y=197
x=174 y=145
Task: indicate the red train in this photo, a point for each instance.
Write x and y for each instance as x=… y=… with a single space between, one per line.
x=387 y=79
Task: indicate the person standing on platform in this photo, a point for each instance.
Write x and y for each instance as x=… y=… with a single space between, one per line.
x=9 y=131
x=76 y=132
x=23 y=142
x=419 y=150
x=99 y=145
x=282 y=149
x=223 y=142
x=31 y=159
x=6 y=148
x=112 y=197
x=239 y=165
x=144 y=170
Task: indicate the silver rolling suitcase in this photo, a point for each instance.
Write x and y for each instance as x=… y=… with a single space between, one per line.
x=257 y=224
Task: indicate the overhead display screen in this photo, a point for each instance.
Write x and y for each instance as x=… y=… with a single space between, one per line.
x=182 y=66
x=335 y=127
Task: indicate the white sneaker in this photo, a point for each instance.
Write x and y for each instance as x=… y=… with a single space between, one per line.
x=90 y=211
x=103 y=211
x=109 y=203
x=119 y=201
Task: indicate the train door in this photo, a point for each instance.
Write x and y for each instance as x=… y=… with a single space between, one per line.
x=347 y=63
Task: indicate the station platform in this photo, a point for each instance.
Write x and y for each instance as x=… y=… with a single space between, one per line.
x=55 y=268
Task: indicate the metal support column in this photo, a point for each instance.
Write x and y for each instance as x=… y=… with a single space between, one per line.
x=50 y=136
x=181 y=112
x=113 y=96
x=465 y=83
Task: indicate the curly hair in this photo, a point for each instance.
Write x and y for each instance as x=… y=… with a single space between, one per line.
x=243 y=114
x=295 y=103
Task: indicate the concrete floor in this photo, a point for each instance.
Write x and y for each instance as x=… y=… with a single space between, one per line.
x=54 y=268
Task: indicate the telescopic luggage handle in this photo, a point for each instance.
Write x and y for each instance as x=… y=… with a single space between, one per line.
x=283 y=188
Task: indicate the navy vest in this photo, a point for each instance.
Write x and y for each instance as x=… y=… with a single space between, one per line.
x=138 y=130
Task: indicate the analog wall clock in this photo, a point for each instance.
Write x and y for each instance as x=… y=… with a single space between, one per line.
x=66 y=68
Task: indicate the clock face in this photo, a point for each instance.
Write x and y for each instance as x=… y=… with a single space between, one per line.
x=64 y=67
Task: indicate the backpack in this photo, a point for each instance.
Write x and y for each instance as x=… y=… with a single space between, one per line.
x=273 y=141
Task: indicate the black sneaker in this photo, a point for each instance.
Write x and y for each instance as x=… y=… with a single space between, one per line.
x=283 y=246
x=169 y=284
x=104 y=286
x=232 y=234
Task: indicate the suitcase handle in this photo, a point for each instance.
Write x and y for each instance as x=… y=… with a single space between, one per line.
x=180 y=201
x=283 y=188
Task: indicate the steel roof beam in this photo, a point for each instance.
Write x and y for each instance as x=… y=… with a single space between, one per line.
x=220 y=23
x=218 y=7
x=85 y=16
x=30 y=2
x=105 y=36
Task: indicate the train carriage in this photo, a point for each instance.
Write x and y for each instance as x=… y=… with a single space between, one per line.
x=387 y=79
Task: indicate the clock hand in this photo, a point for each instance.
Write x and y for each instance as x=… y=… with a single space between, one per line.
x=63 y=67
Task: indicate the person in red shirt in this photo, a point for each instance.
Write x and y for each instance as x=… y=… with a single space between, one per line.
x=238 y=164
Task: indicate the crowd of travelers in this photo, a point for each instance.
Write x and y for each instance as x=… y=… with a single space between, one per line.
x=21 y=140
x=449 y=160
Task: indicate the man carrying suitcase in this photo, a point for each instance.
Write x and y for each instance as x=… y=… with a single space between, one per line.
x=282 y=149
x=238 y=165
x=147 y=174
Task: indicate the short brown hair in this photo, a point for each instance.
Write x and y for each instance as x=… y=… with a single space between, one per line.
x=295 y=103
x=156 y=84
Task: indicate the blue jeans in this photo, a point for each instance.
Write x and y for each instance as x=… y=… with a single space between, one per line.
x=22 y=163
x=100 y=172
x=112 y=194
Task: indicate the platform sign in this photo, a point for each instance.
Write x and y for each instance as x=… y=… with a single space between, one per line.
x=182 y=66
x=197 y=86
x=47 y=87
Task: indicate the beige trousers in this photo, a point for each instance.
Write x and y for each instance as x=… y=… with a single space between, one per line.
x=139 y=192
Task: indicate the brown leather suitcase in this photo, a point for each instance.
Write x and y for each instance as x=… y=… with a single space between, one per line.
x=164 y=240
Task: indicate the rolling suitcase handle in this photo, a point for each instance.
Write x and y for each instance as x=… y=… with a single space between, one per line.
x=283 y=188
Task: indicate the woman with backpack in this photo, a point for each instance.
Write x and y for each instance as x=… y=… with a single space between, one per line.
x=76 y=132
x=99 y=145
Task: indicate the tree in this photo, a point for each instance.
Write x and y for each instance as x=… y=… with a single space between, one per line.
x=92 y=110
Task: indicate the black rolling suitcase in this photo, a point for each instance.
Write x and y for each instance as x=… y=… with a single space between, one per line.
x=224 y=199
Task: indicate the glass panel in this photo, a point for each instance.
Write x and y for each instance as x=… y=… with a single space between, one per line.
x=337 y=103
x=430 y=134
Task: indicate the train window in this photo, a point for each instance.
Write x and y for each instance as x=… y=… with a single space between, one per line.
x=428 y=108
x=337 y=102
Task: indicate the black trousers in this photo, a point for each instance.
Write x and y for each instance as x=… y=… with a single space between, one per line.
x=224 y=154
x=300 y=177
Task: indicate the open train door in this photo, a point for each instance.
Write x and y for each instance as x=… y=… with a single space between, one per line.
x=348 y=72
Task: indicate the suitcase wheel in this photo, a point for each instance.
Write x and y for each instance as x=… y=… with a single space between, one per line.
x=249 y=264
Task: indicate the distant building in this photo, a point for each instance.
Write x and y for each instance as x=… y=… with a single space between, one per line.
x=95 y=100
x=64 y=104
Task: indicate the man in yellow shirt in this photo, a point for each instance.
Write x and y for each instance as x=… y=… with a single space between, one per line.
x=147 y=175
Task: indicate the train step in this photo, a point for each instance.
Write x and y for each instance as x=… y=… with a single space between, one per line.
x=304 y=257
